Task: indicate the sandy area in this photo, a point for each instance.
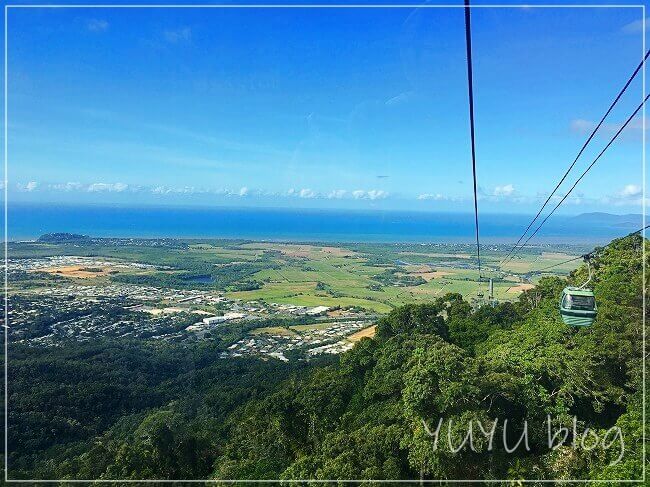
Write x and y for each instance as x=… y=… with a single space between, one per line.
x=427 y=276
x=159 y=311
x=338 y=313
x=365 y=333
x=520 y=288
x=76 y=271
x=426 y=272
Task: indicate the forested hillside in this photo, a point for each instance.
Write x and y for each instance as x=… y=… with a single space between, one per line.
x=364 y=417
x=396 y=406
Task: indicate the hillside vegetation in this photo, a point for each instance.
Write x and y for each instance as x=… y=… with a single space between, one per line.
x=373 y=413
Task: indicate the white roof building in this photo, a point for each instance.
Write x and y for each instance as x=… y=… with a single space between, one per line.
x=317 y=310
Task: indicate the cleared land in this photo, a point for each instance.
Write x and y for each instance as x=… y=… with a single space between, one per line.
x=520 y=288
x=273 y=330
x=80 y=272
x=365 y=333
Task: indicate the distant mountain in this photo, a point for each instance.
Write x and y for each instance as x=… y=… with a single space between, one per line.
x=631 y=220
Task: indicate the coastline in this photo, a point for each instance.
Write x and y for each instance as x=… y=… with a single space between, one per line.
x=29 y=221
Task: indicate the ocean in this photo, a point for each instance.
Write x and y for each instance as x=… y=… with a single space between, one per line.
x=29 y=221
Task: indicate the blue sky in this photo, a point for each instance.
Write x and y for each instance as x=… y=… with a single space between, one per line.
x=335 y=108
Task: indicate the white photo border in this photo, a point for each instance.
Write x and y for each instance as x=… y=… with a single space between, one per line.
x=310 y=6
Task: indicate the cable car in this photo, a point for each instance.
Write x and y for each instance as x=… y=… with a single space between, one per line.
x=578 y=304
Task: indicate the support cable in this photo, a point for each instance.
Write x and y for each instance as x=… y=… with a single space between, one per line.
x=470 y=89
x=582 y=149
x=586 y=256
x=620 y=130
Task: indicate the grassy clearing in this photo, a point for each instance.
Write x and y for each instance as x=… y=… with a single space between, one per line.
x=273 y=330
x=317 y=326
x=522 y=264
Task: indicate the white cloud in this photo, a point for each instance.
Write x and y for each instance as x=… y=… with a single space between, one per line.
x=160 y=190
x=373 y=194
x=94 y=187
x=434 y=197
x=505 y=190
x=400 y=99
x=179 y=190
x=29 y=187
x=244 y=191
x=97 y=25
x=307 y=193
x=629 y=195
x=135 y=188
x=574 y=200
x=69 y=186
x=377 y=194
x=183 y=34
x=633 y=129
x=581 y=126
x=631 y=191
x=337 y=194
x=634 y=27
x=107 y=187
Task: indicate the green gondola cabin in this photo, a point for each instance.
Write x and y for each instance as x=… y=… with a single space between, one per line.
x=578 y=306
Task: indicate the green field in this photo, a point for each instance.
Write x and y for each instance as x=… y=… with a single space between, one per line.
x=375 y=277
x=320 y=278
